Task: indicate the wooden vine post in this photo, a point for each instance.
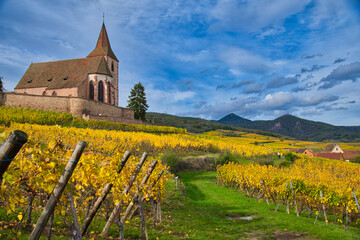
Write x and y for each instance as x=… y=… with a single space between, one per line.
x=76 y=234
x=127 y=212
x=115 y=213
x=10 y=148
x=136 y=195
x=295 y=203
x=144 y=234
x=323 y=207
x=104 y=193
x=58 y=190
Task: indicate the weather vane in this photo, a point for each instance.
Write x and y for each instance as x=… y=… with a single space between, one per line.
x=103 y=17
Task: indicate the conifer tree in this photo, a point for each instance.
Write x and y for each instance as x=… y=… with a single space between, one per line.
x=137 y=101
x=1 y=85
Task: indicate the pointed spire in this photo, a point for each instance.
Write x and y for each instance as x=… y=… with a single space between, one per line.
x=103 y=47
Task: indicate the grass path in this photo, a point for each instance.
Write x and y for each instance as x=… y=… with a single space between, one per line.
x=210 y=211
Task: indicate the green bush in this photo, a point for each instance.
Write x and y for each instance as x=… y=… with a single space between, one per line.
x=355 y=160
x=172 y=160
x=290 y=157
x=227 y=157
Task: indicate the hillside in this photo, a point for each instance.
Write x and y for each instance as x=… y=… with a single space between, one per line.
x=198 y=125
x=297 y=128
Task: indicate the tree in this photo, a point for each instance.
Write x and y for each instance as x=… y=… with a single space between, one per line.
x=1 y=85
x=137 y=101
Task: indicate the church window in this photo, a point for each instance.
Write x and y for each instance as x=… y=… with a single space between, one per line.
x=44 y=93
x=112 y=66
x=53 y=93
x=101 y=92
x=91 y=93
x=109 y=92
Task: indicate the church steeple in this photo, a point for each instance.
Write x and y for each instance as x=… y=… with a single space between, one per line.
x=103 y=47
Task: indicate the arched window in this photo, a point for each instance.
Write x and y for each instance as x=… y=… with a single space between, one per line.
x=53 y=93
x=101 y=92
x=91 y=91
x=109 y=92
x=44 y=93
x=112 y=66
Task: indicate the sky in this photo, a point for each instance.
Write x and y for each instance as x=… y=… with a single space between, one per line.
x=258 y=59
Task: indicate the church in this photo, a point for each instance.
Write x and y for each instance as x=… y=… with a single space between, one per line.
x=94 y=77
x=85 y=87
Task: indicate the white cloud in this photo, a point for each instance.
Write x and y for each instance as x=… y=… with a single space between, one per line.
x=232 y=15
x=17 y=57
x=278 y=99
x=239 y=59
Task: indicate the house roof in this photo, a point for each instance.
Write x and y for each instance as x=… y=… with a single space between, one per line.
x=330 y=147
x=336 y=156
x=349 y=154
x=103 y=47
x=62 y=74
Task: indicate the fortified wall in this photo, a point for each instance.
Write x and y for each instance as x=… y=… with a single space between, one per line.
x=78 y=107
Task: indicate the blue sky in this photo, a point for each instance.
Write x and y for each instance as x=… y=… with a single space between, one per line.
x=259 y=59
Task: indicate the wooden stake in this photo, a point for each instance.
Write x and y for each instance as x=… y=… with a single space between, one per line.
x=76 y=234
x=323 y=206
x=104 y=193
x=159 y=207
x=51 y=220
x=296 y=207
x=144 y=235
x=142 y=199
x=136 y=195
x=116 y=210
x=121 y=229
x=10 y=148
x=317 y=215
x=347 y=217
x=58 y=190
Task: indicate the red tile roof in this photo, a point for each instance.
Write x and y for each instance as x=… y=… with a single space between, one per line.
x=349 y=154
x=336 y=156
x=103 y=47
x=62 y=74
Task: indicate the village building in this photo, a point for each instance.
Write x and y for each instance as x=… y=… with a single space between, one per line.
x=309 y=152
x=333 y=148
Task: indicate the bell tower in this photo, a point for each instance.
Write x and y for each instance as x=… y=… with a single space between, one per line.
x=103 y=48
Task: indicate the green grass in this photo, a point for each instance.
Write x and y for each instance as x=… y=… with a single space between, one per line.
x=211 y=211
x=199 y=209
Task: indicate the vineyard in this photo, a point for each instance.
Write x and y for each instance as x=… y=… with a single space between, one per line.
x=313 y=186
x=31 y=178
x=20 y=115
x=118 y=170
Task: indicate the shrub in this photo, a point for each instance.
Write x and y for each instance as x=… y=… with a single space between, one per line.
x=355 y=160
x=290 y=157
x=172 y=160
x=227 y=157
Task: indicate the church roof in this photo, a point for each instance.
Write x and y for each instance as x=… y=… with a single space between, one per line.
x=62 y=74
x=103 y=47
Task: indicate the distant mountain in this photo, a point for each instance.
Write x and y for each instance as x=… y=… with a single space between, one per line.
x=198 y=125
x=298 y=128
x=233 y=119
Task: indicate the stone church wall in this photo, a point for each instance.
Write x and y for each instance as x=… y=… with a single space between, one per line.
x=78 y=107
